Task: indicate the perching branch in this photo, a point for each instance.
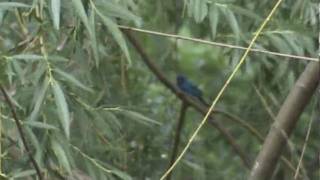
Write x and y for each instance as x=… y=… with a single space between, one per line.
x=176 y=142
x=185 y=98
x=285 y=122
x=22 y=135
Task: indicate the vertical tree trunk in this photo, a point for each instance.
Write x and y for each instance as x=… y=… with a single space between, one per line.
x=285 y=122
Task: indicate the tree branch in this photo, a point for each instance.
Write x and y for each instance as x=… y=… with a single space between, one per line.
x=176 y=142
x=22 y=135
x=185 y=98
x=284 y=124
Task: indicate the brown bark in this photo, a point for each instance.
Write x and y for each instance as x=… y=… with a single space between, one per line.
x=285 y=122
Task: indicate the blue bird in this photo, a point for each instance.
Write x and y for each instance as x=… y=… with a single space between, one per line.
x=189 y=88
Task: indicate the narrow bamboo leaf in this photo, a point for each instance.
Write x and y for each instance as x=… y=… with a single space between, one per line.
x=233 y=23
x=3 y=70
x=26 y=174
x=293 y=43
x=117 y=35
x=93 y=37
x=245 y=12
x=214 y=19
x=6 y=5
x=58 y=58
x=62 y=107
x=121 y=175
x=84 y=18
x=72 y=79
x=40 y=125
x=33 y=139
x=138 y=117
x=39 y=97
x=279 y=43
x=19 y=70
x=27 y=57
x=116 y=10
x=55 y=8
x=81 y=13
x=61 y=155
x=200 y=10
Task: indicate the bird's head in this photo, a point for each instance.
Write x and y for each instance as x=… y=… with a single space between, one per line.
x=181 y=79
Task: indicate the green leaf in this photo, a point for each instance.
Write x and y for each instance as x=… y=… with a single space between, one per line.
x=81 y=13
x=136 y=116
x=39 y=97
x=61 y=155
x=232 y=20
x=116 y=10
x=93 y=37
x=245 y=12
x=279 y=43
x=3 y=71
x=62 y=106
x=58 y=58
x=6 y=5
x=199 y=9
x=117 y=35
x=84 y=18
x=121 y=175
x=26 y=174
x=214 y=19
x=40 y=125
x=18 y=69
x=72 y=79
x=55 y=8
x=32 y=137
x=27 y=57
x=293 y=43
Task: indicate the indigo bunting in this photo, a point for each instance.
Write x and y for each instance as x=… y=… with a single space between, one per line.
x=189 y=88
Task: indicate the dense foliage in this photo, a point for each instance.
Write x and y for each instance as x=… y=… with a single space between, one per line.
x=91 y=108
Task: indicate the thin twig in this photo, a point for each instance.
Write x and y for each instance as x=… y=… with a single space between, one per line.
x=20 y=130
x=303 y=149
x=218 y=44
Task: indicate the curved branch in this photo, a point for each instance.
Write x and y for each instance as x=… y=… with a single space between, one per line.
x=185 y=98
